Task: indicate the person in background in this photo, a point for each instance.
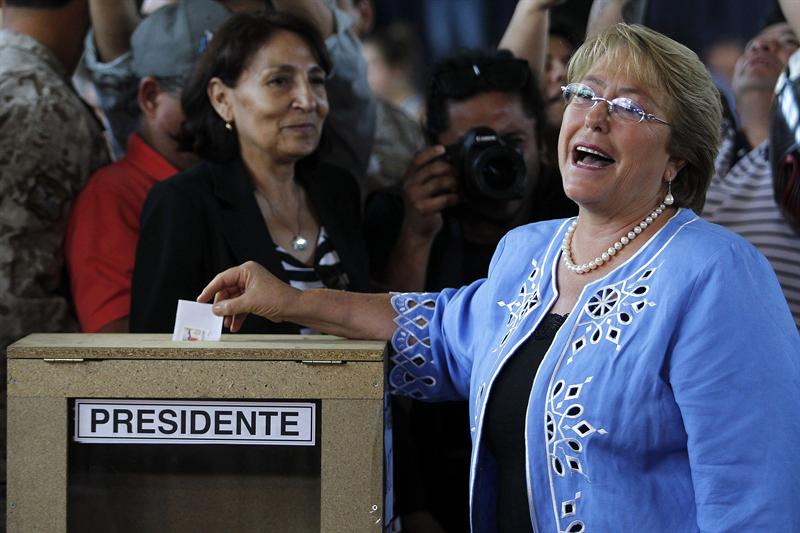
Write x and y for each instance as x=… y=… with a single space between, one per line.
x=437 y=233
x=601 y=354
x=49 y=145
x=255 y=107
x=351 y=125
x=108 y=60
x=740 y=196
x=103 y=229
x=391 y=57
x=561 y=43
x=547 y=45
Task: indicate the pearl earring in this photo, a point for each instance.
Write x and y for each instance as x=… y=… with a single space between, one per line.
x=228 y=125
x=669 y=199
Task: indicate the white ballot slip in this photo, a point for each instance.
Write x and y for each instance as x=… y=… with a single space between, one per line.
x=196 y=322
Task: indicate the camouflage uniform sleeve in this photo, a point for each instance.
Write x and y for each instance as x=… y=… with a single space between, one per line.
x=48 y=147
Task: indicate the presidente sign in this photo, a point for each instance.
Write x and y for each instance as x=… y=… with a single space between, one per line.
x=195 y=422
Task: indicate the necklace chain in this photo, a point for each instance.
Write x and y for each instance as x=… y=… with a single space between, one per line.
x=299 y=243
x=605 y=257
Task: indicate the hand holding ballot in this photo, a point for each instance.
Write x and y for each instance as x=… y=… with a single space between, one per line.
x=249 y=288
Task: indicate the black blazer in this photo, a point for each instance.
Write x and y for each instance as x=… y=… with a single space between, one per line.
x=205 y=220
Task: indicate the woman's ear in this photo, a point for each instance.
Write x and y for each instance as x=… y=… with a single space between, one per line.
x=674 y=166
x=220 y=98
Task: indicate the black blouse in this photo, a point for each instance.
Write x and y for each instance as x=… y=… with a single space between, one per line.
x=505 y=425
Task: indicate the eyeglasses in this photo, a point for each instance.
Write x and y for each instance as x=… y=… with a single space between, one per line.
x=583 y=97
x=505 y=74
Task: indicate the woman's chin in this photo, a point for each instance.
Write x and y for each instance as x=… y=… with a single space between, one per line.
x=299 y=151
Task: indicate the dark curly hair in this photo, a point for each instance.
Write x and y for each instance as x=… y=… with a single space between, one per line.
x=474 y=72
x=232 y=47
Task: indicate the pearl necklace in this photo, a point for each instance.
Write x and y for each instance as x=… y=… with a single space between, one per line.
x=605 y=257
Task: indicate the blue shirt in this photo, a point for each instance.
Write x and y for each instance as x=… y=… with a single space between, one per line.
x=667 y=402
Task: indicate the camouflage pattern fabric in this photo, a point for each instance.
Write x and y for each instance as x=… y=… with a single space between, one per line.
x=49 y=145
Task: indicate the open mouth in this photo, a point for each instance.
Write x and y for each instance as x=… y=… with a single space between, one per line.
x=590 y=157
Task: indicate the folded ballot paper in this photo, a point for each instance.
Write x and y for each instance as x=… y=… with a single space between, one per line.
x=196 y=322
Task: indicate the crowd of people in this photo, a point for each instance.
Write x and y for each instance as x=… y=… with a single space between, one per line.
x=585 y=261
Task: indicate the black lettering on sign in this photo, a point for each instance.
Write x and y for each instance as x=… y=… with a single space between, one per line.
x=242 y=420
x=99 y=416
x=267 y=415
x=285 y=423
x=123 y=416
x=218 y=422
x=194 y=429
x=143 y=419
x=170 y=422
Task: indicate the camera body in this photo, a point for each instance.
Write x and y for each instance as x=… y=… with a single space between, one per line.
x=488 y=166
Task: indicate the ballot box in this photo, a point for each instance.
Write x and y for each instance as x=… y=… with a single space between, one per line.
x=136 y=433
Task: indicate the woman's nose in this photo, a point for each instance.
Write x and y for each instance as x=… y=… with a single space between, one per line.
x=598 y=115
x=304 y=96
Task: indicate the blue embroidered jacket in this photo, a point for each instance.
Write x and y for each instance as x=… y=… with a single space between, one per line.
x=669 y=400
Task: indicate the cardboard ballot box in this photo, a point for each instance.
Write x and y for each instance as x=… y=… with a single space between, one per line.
x=138 y=433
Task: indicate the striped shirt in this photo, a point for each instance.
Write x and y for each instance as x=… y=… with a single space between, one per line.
x=741 y=199
x=325 y=272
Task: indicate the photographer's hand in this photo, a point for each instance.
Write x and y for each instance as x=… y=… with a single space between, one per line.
x=429 y=186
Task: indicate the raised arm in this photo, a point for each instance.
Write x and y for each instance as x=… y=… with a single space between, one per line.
x=791 y=10
x=249 y=288
x=526 y=34
x=113 y=23
x=605 y=13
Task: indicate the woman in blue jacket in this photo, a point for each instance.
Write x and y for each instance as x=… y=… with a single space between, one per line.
x=633 y=369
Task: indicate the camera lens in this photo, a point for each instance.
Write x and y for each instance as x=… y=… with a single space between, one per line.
x=498 y=173
x=490 y=168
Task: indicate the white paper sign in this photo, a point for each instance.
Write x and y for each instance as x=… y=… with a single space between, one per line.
x=195 y=322
x=195 y=422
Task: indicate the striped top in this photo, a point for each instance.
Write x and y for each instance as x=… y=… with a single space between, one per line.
x=326 y=271
x=740 y=198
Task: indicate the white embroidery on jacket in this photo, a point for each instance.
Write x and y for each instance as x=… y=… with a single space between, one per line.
x=610 y=310
x=527 y=300
x=604 y=318
x=411 y=343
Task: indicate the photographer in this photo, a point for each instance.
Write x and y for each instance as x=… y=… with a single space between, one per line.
x=460 y=195
x=442 y=228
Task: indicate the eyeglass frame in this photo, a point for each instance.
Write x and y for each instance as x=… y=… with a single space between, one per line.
x=643 y=116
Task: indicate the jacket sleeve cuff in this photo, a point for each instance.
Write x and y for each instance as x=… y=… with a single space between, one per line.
x=413 y=371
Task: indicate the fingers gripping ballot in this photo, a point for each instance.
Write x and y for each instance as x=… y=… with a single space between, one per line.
x=247 y=288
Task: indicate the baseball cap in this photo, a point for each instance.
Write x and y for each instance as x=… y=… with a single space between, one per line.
x=169 y=41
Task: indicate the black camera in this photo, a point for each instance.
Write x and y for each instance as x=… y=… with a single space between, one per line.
x=488 y=166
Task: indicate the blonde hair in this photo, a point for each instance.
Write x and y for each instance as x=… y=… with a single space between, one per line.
x=679 y=81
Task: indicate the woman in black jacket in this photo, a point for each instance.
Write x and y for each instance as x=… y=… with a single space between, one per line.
x=255 y=107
